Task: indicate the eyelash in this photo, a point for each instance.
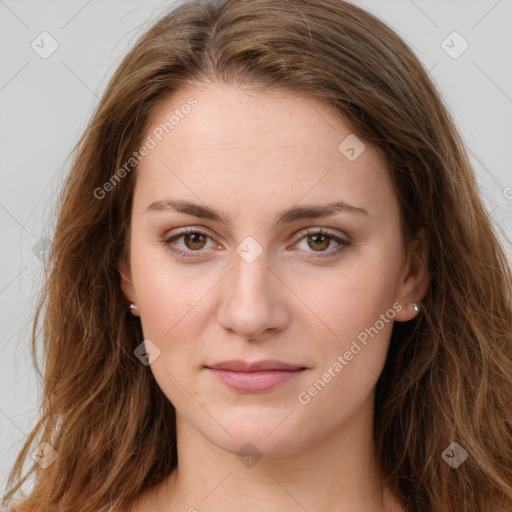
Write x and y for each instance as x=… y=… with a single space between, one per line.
x=309 y=232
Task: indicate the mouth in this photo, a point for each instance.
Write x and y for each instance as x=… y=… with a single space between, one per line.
x=255 y=377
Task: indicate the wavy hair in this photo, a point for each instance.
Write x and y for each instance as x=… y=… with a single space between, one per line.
x=448 y=375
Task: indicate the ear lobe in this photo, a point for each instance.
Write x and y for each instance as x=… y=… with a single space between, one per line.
x=415 y=278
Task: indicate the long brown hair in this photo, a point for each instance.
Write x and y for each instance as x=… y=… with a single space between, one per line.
x=448 y=376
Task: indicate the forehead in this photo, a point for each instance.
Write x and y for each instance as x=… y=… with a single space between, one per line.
x=227 y=116
x=233 y=138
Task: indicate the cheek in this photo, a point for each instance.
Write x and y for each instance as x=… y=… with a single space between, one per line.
x=169 y=298
x=353 y=298
x=351 y=326
x=166 y=292
x=350 y=355
x=357 y=314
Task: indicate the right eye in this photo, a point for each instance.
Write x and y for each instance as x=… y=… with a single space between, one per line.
x=193 y=238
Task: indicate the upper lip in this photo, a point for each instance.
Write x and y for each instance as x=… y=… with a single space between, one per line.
x=238 y=365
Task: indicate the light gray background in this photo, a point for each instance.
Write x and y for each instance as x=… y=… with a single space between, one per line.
x=45 y=105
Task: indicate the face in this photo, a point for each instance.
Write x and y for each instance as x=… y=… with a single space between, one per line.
x=261 y=268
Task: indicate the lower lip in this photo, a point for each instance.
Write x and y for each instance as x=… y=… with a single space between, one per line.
x=255 y=381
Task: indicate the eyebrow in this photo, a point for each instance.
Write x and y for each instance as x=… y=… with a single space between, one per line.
x=286 y=216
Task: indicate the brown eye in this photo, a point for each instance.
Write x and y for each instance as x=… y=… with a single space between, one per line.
x=318 y=242
x=187 y=242
x=194 y=241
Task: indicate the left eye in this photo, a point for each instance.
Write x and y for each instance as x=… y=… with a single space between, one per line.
x=195 y=239
x=318 y=240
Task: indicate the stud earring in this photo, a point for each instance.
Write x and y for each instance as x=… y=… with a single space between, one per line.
x=416 y=306
x=133 y=306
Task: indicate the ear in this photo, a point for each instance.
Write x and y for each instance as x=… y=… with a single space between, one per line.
x=414 y=278
x=127 y=283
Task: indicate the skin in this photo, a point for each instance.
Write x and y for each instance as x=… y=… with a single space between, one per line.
x=253 y=155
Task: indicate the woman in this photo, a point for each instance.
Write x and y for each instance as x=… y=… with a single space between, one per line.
x=273 y=284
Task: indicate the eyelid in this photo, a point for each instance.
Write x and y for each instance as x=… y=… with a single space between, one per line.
x=320 y=231
x=343 y=242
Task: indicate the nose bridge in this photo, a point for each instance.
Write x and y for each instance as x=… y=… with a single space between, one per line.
x=250 y=304
x=250 y=276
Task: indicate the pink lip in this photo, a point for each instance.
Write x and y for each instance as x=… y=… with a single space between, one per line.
x=238 y=365
x=257 y=376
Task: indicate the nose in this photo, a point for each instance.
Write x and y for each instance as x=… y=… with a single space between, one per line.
x=253 y=299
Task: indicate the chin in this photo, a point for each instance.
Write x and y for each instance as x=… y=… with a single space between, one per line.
x=265 y=435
